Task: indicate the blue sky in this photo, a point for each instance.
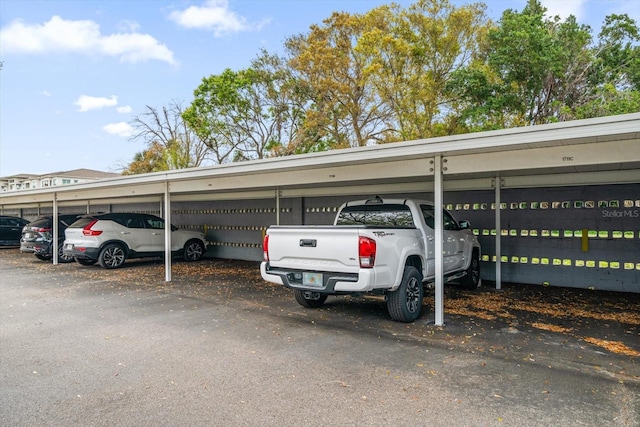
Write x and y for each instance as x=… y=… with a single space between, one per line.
x=75 y=73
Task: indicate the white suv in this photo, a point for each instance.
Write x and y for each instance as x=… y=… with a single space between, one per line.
x=111 y=238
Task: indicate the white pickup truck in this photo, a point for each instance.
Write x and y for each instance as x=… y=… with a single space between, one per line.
x=377 y=246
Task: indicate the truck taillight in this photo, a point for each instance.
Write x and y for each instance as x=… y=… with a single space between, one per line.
x=367 y=252
x=265 y=247
x=87 y=231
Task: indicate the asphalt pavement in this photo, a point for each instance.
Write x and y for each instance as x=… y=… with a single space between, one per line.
x=218 y=346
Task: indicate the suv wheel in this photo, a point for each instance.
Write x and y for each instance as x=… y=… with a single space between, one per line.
x=193 y=250
x=62 y=258
x=112 y=256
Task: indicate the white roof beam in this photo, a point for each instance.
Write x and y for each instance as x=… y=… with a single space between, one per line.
x=558 y=156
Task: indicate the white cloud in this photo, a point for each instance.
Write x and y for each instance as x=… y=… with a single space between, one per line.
x=122 y=129
x=214 y=15
x=564 y=8
x=62 y=36
x=129 y=26
x=135 y=48
x=124 y=109
x=45 y=93
x=87 y=103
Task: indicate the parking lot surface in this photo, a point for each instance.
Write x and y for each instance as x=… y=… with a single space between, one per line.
x=218 y=346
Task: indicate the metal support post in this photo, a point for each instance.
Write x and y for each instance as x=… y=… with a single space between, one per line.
x=439 y=273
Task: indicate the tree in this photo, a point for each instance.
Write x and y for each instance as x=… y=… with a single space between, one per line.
x=394 y=74
x=285 y=98
x=345 y=110
x=380 y=76
x=537 y=70
x=150 y=160
x=169 y=138
x=244 y=114
x=520 y=77
x=614 y=77
x=415 y=52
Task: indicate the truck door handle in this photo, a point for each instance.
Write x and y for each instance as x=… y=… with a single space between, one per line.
x=308 y=243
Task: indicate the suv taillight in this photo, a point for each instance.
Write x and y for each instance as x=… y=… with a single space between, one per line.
x=366 y=252
x=43 y=230
x=87 y=231
x=265 y=247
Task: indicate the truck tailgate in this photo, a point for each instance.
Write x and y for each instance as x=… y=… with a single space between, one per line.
x=312 y=248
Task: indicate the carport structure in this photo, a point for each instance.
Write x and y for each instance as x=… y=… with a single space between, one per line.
x=583 y=152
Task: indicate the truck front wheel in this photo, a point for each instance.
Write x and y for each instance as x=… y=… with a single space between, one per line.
x=471 y=280
x=309 y=299
x=405 y=303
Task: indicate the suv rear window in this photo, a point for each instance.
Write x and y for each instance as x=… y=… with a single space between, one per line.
x=41 y=223
x=81 y=222
x=389 y=215
x=47 y=221
x=67 y=220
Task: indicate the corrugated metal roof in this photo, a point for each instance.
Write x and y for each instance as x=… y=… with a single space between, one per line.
x=594 y=146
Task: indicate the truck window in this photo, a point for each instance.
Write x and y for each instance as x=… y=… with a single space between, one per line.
x=429 y=218
x=379 y=215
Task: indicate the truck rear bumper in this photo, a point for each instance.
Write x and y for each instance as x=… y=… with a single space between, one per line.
x=332 y=282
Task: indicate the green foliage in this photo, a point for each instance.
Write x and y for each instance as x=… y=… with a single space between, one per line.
x=395 y=74
x=150 y=160
x=246 y=114
x=378 y=77
x=536 y=70
x=343 y=111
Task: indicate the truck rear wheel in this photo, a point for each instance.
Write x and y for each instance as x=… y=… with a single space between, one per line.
x=309 y=299
x=405 y=303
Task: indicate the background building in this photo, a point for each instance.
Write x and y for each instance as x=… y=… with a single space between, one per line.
x=25 y=182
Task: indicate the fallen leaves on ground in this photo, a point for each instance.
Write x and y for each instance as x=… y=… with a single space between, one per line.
x=613 y=346
x=604 y=319
x=491 y=305
x=550 y=328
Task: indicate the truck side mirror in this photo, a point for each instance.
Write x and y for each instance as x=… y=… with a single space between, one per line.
x=464 y=224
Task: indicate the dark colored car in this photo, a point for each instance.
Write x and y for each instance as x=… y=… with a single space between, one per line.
x=37 y=237
x=11 y=230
